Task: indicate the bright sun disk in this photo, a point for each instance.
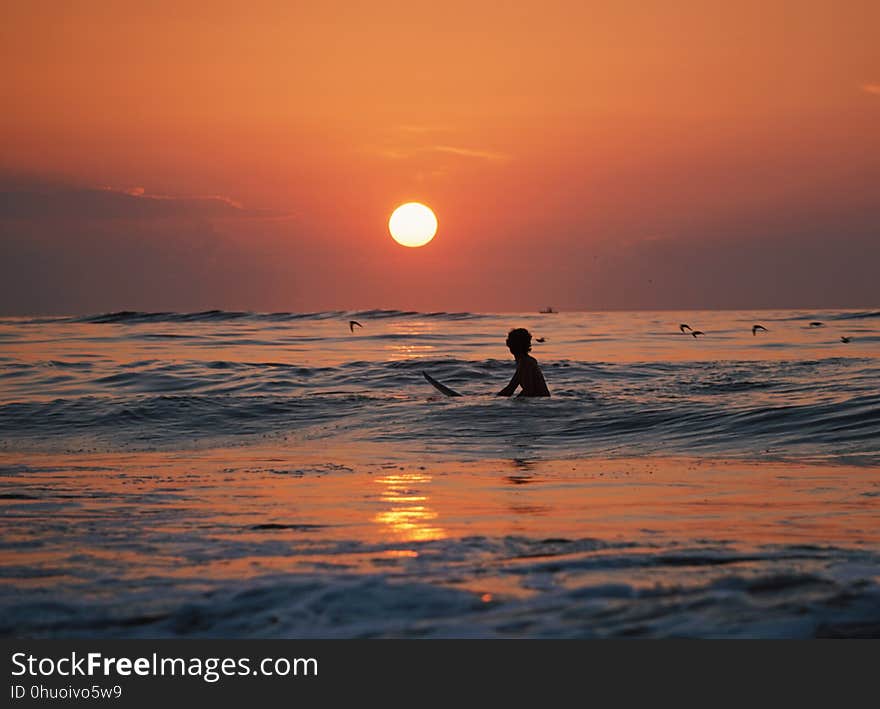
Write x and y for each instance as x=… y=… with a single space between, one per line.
x=412 y=224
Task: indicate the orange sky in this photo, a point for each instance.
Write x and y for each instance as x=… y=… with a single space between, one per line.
x=573 y=152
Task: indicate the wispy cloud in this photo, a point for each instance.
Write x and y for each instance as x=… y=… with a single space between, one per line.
x=215 y=200
x=28 y=199
x=409 y=141
x=459 y=151
x=392 y=154
x=871 y=89
x=469 y=152
x=420 y=129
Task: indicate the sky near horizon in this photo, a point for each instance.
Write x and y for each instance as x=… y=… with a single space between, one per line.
x=192 y=155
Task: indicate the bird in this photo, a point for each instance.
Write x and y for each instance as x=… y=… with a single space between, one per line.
x=755 y=329
x=844 y=339
x=540 y=339
x=697 y=332
x=352 y=323
x=684 y=327
x=816 y=323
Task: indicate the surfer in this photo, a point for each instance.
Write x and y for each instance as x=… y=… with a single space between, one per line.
x=528 y=374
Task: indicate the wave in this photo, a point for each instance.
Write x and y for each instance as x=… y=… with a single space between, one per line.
x=131 y=317
x=774 y=591
x=864 y=315
x=831 y=316
x=687 y=377
x=572 y=423
x=203 y=375
x=134 y=317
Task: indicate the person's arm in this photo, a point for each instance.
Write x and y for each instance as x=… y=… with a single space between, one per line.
x=510 y=388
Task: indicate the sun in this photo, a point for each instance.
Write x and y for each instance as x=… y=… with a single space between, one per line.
x=412 y=224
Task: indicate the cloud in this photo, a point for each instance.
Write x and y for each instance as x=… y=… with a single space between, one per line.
x=420 y=129
x=410 y=140
x=67 y=249
x=469 y=153
x=404 y=153
x=30 y=198
x=871 y=89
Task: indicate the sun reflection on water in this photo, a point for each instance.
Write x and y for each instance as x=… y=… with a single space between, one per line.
x=409 y=517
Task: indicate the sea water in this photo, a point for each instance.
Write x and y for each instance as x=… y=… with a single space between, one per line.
x=287 y=474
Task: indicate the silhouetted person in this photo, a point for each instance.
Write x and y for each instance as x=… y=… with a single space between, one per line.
x=528 y=374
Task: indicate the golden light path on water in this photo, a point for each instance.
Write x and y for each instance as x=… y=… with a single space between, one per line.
x=409 y=517
x=236 y=496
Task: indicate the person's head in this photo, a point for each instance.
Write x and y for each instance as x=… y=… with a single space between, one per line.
x=519 y=341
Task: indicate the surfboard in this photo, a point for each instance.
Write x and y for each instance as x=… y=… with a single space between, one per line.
x=440 y=387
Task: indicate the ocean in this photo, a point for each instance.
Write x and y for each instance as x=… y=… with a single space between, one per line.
x=243 y=474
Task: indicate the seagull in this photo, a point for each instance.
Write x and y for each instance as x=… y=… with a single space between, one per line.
x=755 y=329
x=697 y=332
x=844 y=339
x=540 y=339
x=352 y=323
x=816 y=323
x=684 y=327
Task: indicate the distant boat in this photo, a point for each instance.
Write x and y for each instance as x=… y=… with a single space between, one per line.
x=548 y=311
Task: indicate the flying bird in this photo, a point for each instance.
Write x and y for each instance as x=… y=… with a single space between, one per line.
x=540 y=339
x=684 y=327
x=697 y=332
x=816 y=323
x=755 y=329
x=844 y=339
x=352 y=323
